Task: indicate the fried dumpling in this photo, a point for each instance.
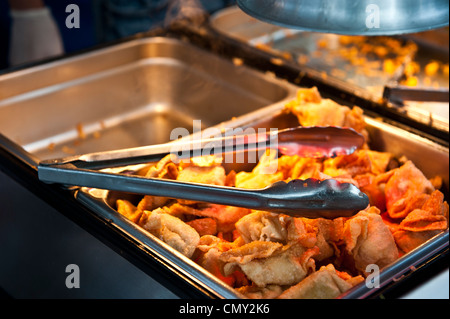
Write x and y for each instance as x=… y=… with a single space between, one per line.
x=368 y=240
x=422 y=223
x=405 y=184
x=326 y=283
x=312 y=110
x=171 y=230
x=269 y=263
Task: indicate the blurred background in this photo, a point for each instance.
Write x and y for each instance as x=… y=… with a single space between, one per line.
x=100 y=21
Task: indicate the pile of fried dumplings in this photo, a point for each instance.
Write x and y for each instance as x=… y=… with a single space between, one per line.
x=268 y=255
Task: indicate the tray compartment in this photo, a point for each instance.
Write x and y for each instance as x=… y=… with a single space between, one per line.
x=128 y=95
x=385 y=137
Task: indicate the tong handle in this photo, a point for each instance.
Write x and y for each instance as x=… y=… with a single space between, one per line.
x=309 y=198
x=304 y=141
x=182 y=149
x=399 y=94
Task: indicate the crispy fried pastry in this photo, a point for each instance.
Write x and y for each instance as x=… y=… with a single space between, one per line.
x=433 y=215
x=214 y=175
x=266 y=263
x=267 y=255
x=312 y=110
x=171 y=230
x=326 y=283
x=368 y=240
x=255 y=292
x=204 y=226
x=359 y=163
x=127 y=209
x=207 y=255
x=404 y=185
x=263 y=226
x=422 y=223
x=225 y=216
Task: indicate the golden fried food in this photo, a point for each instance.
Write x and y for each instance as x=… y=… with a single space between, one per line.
x=404 y=185
x=149 y=202
x=163 y=169
x=326 y=283
x=408 y=240
x=224 y=216
x=266 y=263
x=267 y=255
x=214 y=175
x=255 y=292
x=128 y=210
x=204 y=226
x=312 y=110
x=263 y=226
x=368 y=240
x=422 y=223
x=433 y=215
x=359 y=163
x=171 y=230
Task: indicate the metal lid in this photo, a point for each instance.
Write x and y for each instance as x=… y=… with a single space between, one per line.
x=363 y=17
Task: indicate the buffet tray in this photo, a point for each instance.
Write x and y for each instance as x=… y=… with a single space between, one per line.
x=135 y=93
x=384 y=138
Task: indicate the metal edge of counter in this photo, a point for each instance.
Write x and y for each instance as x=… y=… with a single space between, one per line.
x=20 y=166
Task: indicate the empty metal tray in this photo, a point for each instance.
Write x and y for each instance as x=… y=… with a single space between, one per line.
x=132 y=94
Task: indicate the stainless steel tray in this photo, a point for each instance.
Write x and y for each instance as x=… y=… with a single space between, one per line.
x=322 y=52
x=385 y=138
x=131 y=94
x=332 y=58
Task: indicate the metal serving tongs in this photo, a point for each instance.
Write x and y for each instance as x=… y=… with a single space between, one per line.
x=400 y=93
x=309 y=198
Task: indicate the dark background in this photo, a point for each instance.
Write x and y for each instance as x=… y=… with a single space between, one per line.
x=100 y=21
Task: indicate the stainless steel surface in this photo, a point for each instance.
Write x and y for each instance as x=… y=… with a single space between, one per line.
x=129 y=95
x=316 y=141
x=433 y=52
x=296 y=198
x=301 y=198
x=168 y=257
x=331 y=56
x=400 y=94
x=346 y=61
x=369 y=17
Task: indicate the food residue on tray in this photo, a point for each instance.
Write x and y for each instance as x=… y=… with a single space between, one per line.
x=369 y=56
x=430 y=72
x=80 y=137
x=80 y=130
x=68 y=150
x=237 y=61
